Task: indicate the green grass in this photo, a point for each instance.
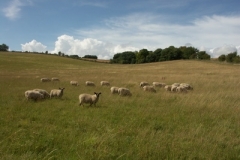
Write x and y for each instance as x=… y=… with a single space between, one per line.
x=201 y=124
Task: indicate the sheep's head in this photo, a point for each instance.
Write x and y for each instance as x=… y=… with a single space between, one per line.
x=97 y=94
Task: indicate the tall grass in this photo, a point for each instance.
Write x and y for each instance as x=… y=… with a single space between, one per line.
x=201 y=124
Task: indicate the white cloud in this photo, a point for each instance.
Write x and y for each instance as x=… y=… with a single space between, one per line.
x=88 y=46
x=216 y=52
x=34 y=46
x=12 y=11
x=150 y=31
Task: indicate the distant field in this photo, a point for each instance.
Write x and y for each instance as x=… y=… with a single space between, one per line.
x=201 y=124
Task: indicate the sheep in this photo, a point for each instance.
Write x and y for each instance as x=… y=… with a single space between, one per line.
x=44 y=92
x=88 y=98
x=124 y=92
x=181 y=89
x=114 y=90
x=158 y=84
x=187 y=86
x=105 y=83
x=45 y=80
x=55 y=79
x=176 y=84
x=168 y=87
x=56 y=92
x=74 y=83
x=149 y=89
x=142 y=84
x=174 y=88
x=34 y=95
x=89 y=83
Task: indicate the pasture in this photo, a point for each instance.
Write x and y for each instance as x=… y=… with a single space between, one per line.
x=201 y=124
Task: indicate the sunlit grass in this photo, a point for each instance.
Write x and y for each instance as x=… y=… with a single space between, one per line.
x=201 y=124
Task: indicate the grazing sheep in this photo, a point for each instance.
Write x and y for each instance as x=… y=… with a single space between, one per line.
x=142 y=84
x=187 y=86
x=158 y=84
x=176 y=84
x=168 y=87
x=44 y=92
x=55 y=79
x=89 y=83
x=105 y=83
x=74 y=83
x=88 y=98
x=114 y=90
x=149 y=89
x=45 y=80
x=124 y=92
x=34 y=95
x=174 y=88
x=181 y=89
x=56 y=92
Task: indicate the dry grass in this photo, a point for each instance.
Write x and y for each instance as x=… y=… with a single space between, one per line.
x=201 y=124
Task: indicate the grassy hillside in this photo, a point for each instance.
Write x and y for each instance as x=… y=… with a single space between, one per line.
x=201 y=124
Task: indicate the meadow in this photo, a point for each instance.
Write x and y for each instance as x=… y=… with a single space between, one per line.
x=201 y=124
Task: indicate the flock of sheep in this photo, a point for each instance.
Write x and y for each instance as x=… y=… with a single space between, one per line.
x=37 y=94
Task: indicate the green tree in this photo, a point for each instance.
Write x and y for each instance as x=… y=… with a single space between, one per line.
x=188 y=52
x=203 y=55
x=90 y=56
x=4 y=47
x=231 y=57
x=222 y=58
x=157 y=54
x=142 y=55
x=171 y=53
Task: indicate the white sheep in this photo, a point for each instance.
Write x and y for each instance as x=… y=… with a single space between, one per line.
x=187 y=86
x=149 y=89
x=105 y=83
x=181 y=89
x=45 y=80
x=89 y=83
x=142 y=84
x=176 y=84
x=34 y=95
x=174 y=88
x=88 y=98
x=158 y=84
x=56 y=92
x=114 y=90
x=55 y=79
x=44 y=92
x=74 y=83
x=168 y=87
x=124 y=92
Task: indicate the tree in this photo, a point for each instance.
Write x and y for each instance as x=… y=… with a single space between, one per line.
x=142 y=55
x=231 y=56
x=203 y=55
x=157 y=54
x=188 y=52
x=90 y=56
x=222 y=58
x=4 y=47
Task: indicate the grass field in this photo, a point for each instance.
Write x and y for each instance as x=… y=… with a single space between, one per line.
x=201 y=124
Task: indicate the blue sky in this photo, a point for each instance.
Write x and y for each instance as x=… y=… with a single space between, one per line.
x=107 y=27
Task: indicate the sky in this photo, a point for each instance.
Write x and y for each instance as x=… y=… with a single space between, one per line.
x=107 y=27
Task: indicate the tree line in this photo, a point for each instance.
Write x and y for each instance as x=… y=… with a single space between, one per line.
x=167 y=54
x=231 y=58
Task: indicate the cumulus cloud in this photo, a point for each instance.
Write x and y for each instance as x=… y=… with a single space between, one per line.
x=149 y=31
x=34 y=46
x=13 y=9
x=88 y=46
x=216 y=52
